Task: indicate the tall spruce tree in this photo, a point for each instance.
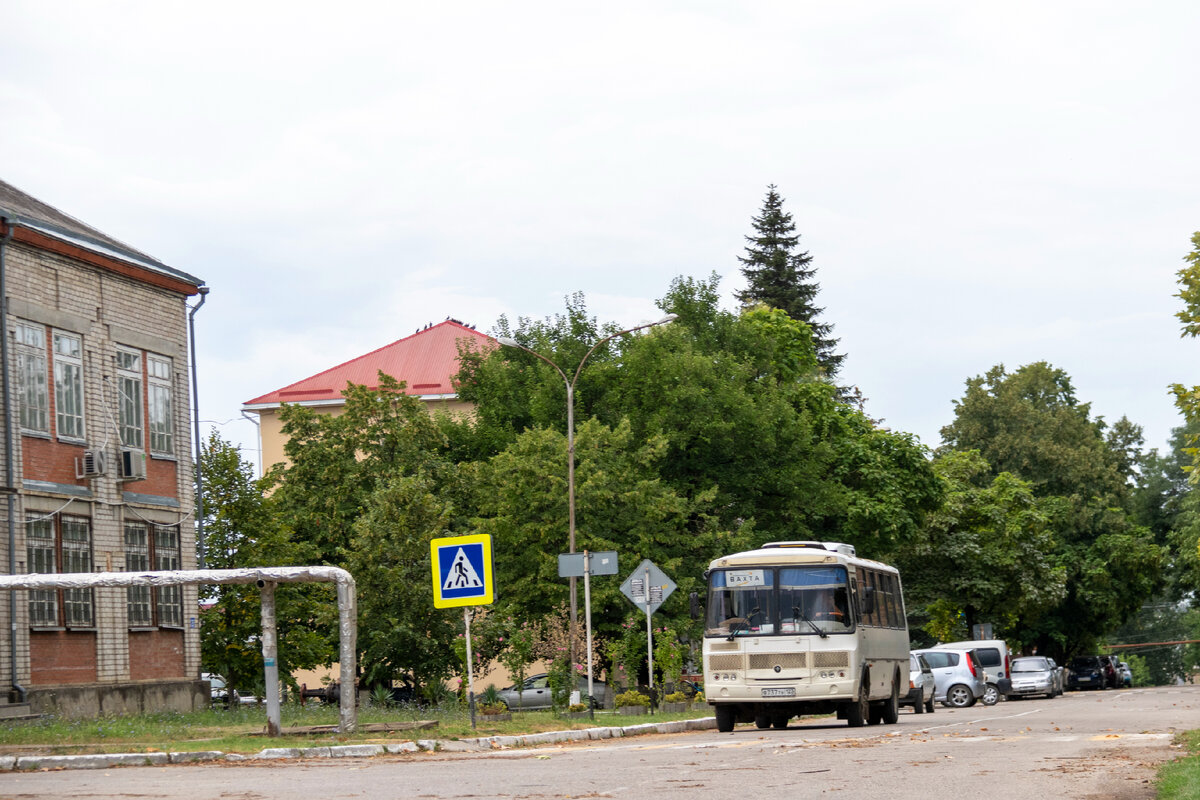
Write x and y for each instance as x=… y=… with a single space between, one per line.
x=781 y=277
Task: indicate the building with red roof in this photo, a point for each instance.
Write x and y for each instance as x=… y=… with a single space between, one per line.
x=426 y=362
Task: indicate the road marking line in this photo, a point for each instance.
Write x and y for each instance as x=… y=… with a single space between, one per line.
x=983 y=719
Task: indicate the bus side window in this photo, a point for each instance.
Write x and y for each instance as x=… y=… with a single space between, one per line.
x=870 y=600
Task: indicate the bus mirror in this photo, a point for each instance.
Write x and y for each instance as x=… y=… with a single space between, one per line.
x=694 y=603
x=868 y=600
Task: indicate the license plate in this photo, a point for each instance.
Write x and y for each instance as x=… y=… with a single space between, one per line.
x=783 y=692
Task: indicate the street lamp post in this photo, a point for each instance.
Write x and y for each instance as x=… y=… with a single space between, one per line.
x=570 y=384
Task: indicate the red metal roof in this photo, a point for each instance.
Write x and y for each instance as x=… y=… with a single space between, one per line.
x=425 y=361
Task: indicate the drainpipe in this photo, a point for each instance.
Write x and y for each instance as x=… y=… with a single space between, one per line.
x=199 y=502
x=10 y=487
x=246 y=415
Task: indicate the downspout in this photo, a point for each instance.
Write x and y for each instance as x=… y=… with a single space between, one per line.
x=10 y=487
x=199 y=502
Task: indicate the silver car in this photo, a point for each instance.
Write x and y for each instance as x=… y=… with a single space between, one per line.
x=535 y=693
x=921 y=686
x=959 y=678
x=1033 y=675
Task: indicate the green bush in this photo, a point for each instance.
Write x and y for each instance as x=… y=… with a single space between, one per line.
x=676 y=697
x=631 y=699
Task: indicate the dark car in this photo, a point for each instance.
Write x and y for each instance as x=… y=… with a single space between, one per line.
x=1112 y=671
x=1086 y=672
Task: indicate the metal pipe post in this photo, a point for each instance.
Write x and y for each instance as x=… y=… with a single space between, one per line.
x=470 y=670
x=270 y=651
x=587 y=616
x=649 y=632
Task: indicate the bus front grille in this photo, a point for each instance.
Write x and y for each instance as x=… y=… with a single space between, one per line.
x=772 y=660
x=831 y=659
x=731 y=661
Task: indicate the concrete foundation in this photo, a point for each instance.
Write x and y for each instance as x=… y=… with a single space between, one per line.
x=77 y=701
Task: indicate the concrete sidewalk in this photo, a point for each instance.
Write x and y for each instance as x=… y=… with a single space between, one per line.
x=480 y=744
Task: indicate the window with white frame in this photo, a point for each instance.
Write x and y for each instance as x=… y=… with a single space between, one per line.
x=158 y=371
x=77 y=557
x=167 y=557
x=42 y=555
x=129 y=397
x=33 y=393
x=137 y=559
x=58 y=544
x=68 y=385
x=156 y=545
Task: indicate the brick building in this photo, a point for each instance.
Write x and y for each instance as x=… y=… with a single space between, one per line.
x=96 y=464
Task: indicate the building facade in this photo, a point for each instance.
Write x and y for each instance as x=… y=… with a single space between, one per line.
x=97 y=466
x=426 y=361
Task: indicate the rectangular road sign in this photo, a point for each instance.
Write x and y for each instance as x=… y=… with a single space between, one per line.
x=462 y=571
x=571 y=565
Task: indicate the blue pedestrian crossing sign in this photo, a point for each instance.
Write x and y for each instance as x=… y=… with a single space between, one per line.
x=462 y=571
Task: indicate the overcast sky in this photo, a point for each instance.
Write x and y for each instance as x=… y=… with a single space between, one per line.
x=977 y=183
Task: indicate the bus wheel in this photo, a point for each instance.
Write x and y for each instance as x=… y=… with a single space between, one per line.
x=762 y=721
x=780 y=721
x=858 y=711
x=891 y=709
x=726 y=716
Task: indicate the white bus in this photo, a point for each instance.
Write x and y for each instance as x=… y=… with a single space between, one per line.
x=804 y=628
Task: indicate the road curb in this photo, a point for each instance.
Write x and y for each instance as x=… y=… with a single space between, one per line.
x=479 y=744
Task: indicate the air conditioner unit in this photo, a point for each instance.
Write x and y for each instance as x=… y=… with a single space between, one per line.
x=133 y=465
x=90 y=465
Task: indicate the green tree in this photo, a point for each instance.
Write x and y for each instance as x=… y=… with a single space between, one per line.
x=368 y=489
x=401 y=635
x=1188 y=399
x=735 y=399
x=1031 y=425
x=1154 y=624
x=782 y=277
x=987 y=555
x=621 y=504
x=337 y=462
x=242 y=529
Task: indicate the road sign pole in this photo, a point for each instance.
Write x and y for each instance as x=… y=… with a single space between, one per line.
x=649 y=632
x=470 y=670
x=587 y=615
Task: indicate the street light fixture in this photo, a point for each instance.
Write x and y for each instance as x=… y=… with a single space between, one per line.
x=570 y=384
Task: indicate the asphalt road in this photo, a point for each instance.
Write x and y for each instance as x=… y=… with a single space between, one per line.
x=1082 y=745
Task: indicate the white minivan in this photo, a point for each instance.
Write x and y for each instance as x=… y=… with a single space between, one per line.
x=997 y=660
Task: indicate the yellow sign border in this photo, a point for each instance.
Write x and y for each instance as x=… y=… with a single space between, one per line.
x=489 y=587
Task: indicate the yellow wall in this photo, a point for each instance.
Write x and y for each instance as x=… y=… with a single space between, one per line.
x=272 y=439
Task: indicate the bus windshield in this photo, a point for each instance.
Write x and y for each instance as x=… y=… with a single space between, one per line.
x=761 y=601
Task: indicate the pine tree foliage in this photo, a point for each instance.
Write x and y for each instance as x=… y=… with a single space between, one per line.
x=781 y=276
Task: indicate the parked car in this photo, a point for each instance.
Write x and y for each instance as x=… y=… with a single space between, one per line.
x=1112 y=671
x=959 y=679
x=921 y=685
x=535 y=693
x=1060 y=677
x=996 y=658
x=1126 y=675
x=221 y=694
x=1033 y=675
x=1086 y=672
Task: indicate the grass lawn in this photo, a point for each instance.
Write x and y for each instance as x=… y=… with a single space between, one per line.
x=243 y=729
x=1180 y=779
